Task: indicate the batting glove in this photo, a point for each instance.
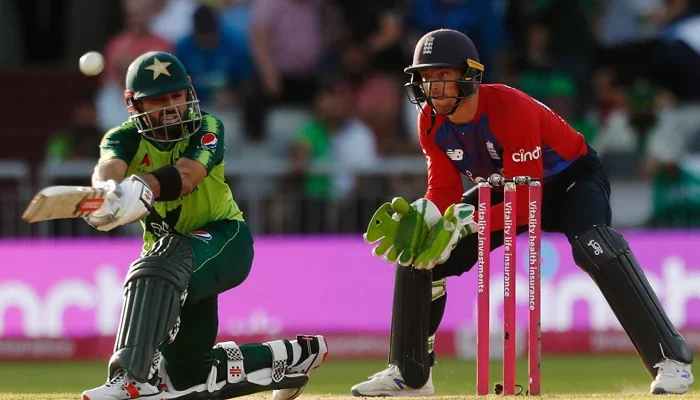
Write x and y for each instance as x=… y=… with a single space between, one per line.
x=125 y=202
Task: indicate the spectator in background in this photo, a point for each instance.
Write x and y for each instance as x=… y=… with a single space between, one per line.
x=134 y=40
x=173 y=19
x=671 y=138
x=337 y=140
x=287 y=47
x=375 y=96
x=571 y=40
x=558 y=92
x=236 y=19
x=80 y=140
x=376 y=26
x=216 y=60
x=109 y=100
x=616 y=133
x=669 y=55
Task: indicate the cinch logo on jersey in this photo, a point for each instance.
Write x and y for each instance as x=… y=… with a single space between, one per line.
x=209 y=141
x=456 y=154
x=524 y=156
x=201 y=235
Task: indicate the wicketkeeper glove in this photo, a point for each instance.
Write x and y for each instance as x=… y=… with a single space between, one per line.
x=400 y=228
x=456 y=223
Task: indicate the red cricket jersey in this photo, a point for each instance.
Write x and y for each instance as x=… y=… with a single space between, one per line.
x=511 y=134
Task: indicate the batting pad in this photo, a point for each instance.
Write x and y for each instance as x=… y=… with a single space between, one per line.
x=154 y=292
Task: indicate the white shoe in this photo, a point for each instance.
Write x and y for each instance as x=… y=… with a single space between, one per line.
x=122 y=387
x=390 y=383
x=672 y=377
x=314 y=351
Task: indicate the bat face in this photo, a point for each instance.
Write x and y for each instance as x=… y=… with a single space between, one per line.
x=62 y=202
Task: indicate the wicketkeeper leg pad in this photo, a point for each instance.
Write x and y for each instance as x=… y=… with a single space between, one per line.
x=605 y=255
x=413 y=292
x=154 y=291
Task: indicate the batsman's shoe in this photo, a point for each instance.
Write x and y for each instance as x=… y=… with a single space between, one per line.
x=240 y=382
x=390 y=383
x=122 y=387
x=314 y=351
x=672 y=377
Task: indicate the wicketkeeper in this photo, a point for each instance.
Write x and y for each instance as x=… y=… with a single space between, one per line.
x=165 y=168
x=481 y=130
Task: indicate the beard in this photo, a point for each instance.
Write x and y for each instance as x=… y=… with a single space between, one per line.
x=168 y=124
x=169 y=132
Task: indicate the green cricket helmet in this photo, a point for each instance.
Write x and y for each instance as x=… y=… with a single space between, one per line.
x=157 y=73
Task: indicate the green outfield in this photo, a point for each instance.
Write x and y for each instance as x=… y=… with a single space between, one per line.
x=562 y=377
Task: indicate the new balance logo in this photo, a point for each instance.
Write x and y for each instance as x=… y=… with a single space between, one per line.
x=428 y=45
x=597 y=249
x=399 y=383
x=455 y=154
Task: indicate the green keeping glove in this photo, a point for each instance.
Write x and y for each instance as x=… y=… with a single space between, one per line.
x=457 y=223
x=400 y=228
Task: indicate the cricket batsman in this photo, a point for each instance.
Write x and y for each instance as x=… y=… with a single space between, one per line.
x=165 y=168
x=482 y=130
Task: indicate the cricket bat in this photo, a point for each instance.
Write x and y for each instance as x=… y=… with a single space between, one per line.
x=63 y=202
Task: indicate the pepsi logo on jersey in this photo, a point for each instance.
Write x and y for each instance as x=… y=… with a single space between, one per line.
x=209 y=141
x=202 y=235
x=524 y=156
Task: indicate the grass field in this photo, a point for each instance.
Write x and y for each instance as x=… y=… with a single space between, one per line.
x=562 y=378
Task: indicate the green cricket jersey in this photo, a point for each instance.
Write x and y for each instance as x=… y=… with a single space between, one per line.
x=211 y=200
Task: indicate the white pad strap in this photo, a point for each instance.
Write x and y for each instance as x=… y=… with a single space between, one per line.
x=234 y=364
x=211 y=380
x=279 y=359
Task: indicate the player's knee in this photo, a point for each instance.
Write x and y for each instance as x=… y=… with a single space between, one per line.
x=170 y=259
x=239 y=268
x=597 y=247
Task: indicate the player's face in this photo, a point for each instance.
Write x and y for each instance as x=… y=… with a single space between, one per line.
x=440 y=84
x=166 y=110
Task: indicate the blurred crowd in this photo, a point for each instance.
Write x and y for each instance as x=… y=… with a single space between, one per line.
x=321 y=81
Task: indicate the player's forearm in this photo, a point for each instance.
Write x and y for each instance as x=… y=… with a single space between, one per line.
x=113 y=169
x=185 y=185
x=153 y=183
x=173 y=181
